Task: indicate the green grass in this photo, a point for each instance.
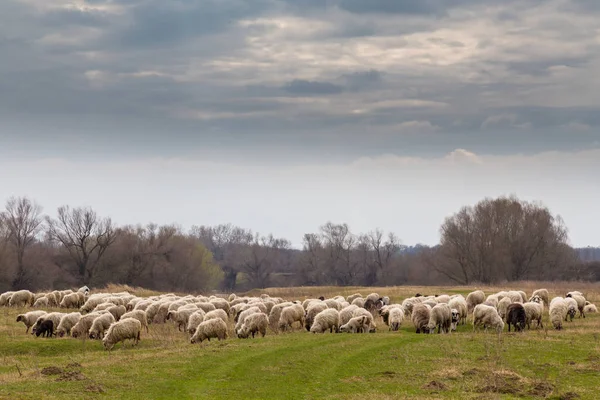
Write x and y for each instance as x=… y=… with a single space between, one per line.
x=299 y=365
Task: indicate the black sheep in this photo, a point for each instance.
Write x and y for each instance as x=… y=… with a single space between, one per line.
x=515 y=315
x=46 y=328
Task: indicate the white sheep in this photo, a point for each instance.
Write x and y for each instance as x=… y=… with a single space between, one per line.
x=440 y=317
x=420 y=316
x=216 y=313
x=373 y=297
x=126 y=328
x=181 y=317
x=195 y=319
x=213 y=328
x=558 y=312
x=67 y=322
x=313 y=309
x=515 y=296
x=580 y=300
x=355 y=325
x=359 y=301
x=255 y=323
x=243 y=315
x=474 y=298
x=328 y=319
x=82 y=327
x=71 y=300
x=492 y=300
x=21 y=298
x=385 y=300
x=359 y=312
x=503 y=306
x=290 y=315
x=534 y=312
x=30 y=318
x=117 y=311
x=571 y=308
x=346 y=313
x=395 y=318
x=488 y=317
x=101 y=324
x=590 y=308
x=55 y=317
x=5 y=298
x=460 y=304
x=41 y=302
x=351 y=298
x=442 y=298
x=220 y=303
x=206 y=307
x=332 y=303
x=455 y=319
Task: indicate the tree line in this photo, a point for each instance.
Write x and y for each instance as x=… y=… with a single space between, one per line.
x=494 y=241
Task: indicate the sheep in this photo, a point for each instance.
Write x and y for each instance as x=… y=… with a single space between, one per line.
x=30 y=318
x=216 y=313
x=346 y=313
x=255 y=323
x=181 y=317
x=384 y=312
x=243 y=315
x=409 y=303
x=21 y=298
x=351 y=298
x=590 y=308
x=442 y=298
x=331 y=303
x=206 y=307
x=275 y=314
x=571 y=308
x=440 y=317
x=84 y=289
x=140 y=315
x=523 y=296
x=515 y=296
x=311 y=312
x=385 y=300
x=117 y=311
x=373 y=297
x=328 y=319
x=474 y=298
x=55 y=317
x=574 y=292
x=488 y=317
x=195 y=319
x=213 y=328
x=359 y=301
x=455 y=319
x=460 y=304
x=359 y=312
x=503 y=306
x=307 y=302
x=41 y=302
x=516 y=316
x=371 y=305
x=543 y=294
x=289 y=315
x=492 y=300
x=67 y=322
x=533 y=312
x=580 y=303
x=126 y=328
x=84 y=324
x=100 y=325
x=45 y=328
x=355 y=325
x=91 y=303
x=395 y=318
x=420 y=316
x=5 y=298
x=558 y=312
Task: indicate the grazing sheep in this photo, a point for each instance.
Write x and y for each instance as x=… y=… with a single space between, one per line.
x=454 y=319
x=91 y=303
x=216 y=313
x=255 y=323
x=385 y=300
x=359 y=301
x=384 y=312
x=395 y=318
x=67 y=322
x=346 y=313
x=275 y=314
x=442 y=298
x=5 y=298
x=503 y=306
x=355 y=325
x=580 y=300
x=440 y=317
x=195 y=319
x=515 y=296
x=312 y=311
x=574 y=292
x=213 y=328
x=41 y=302
x=516 y=317
x=101 y=324
x=332 y=303
x=206 y=307
x=181 y=317
x=55 y=317
x=460 y=304
x=571 y=308
x=45 y=328
x=328 y=319
x=84 y=324
x=140 y=315
x=117 y=311
x=351 y=298
x=30 y=318
x=590 y=308
x=488 y=317
x=558 y=312
x=220 y=303
x=492 y=300
x=420 y=317
x=126 y=328
x=53 y=298
x=289 y=315
x=359 y=312
x=243 y=315
x=523 y=296
x=21 y=298
x=474 y=298
x=409 y=303
x=533 y=312
x=71 y=300
x=373 y=297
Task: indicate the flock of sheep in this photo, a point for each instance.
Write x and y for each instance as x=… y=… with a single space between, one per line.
x=116 y=317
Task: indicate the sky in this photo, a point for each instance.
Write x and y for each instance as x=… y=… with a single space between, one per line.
x=281 y=115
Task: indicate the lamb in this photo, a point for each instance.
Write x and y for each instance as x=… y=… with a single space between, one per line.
x=101 y=324
x=440 y=317
x=213 y=328
x=503 y=306
x=395 y=318
x=460 y=304
x=255 y=323
x=30 y=318
x=45 y=328
x=5 y=298
x=275 y=314
x=67 y=322
x=580 y=303
x=216 y=313
x=126 y=328
x=289 y=315
x=474 y=298
x=488 y=317
x=359 y=312
x=84 y=324
x=117 y=311
x=312 y=311
x=21 y=298
x=55 y=317
x=558 y=312
x=355 y=325
x=590 y=308
x=346 y=313
x=534 y=312
x=454 y=319
x=543 y=294
x=140 y=315
x=420 y=316
x=328 y=319
x=516 y=316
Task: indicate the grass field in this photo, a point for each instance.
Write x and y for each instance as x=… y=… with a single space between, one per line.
x=299 y=365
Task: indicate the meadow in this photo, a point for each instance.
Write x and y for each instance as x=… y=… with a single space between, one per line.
x=535 y=364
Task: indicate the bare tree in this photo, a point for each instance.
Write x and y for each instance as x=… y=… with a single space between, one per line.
x=263 y=256
x=22 y=222
x=85 y=237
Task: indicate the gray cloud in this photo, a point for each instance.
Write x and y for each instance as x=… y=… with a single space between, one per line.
x=304 y=87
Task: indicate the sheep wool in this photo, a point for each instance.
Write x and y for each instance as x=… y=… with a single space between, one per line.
x=420 y=317
x=100 y=325
x=460 y=304
x=355 y=325
x=126 y=328
x=140 y=315
x=558 y=312
x=253 y=324
x=67 y=322
x=487 y=316
x=213 y=328
x=440 y=317
x=533 y=312
x=117 y=311
x=395 y=318
x=313 y=309
x=474 y=298
x=328 y=319
x=290 y=315
x=346 y=313
x=503 y=306
x=5 y=298
x=217 y=313
x=21 y=298
x=84 y=324
x=590 y=308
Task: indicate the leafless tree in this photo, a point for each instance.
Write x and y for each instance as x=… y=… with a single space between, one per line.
x=22 y=222
x=85 y=237
x=263 y=255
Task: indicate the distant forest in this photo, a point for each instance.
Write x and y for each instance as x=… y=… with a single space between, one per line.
x=496 y=241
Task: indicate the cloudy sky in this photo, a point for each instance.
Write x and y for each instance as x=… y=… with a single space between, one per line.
x=279 y=115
